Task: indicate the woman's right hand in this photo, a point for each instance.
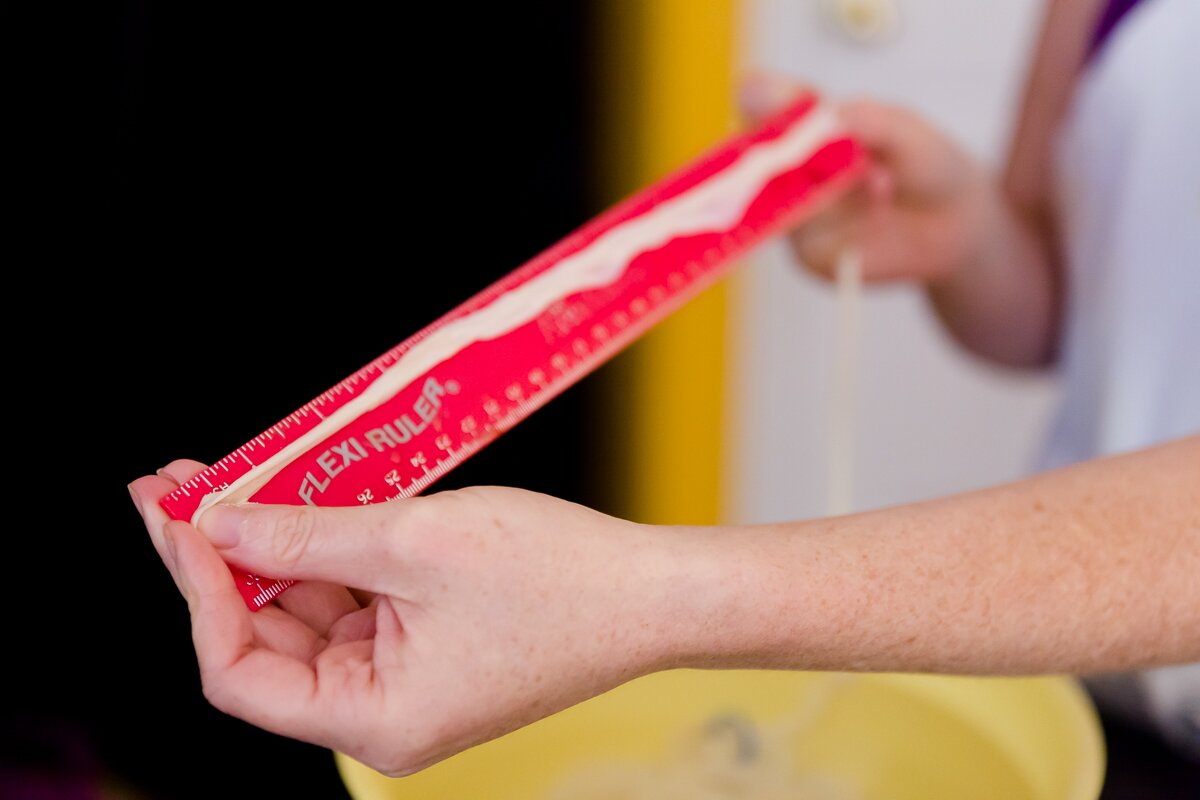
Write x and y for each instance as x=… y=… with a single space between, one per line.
x=480 y=610
x=919 y=214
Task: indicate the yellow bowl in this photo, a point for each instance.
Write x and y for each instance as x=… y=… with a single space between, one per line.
x=899 y=737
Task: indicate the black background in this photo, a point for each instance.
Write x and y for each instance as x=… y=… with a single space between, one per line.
x=174 y=173
x=247 y=202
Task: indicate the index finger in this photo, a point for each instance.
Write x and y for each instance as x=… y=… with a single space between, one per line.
x=261 y=686
x=146 y=492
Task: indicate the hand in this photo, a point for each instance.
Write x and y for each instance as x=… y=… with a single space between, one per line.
x=476 y=611
x=919 y=212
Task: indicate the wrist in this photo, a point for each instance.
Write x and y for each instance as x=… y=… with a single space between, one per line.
x=1000 y=299
x=732 y=597
x=980 y=207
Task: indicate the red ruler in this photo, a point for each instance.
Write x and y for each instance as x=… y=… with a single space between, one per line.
x=409 y=417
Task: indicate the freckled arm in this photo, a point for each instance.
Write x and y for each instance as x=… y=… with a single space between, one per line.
x=1090 y=568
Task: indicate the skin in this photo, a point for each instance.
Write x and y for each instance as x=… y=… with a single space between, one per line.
x=472 y=613
x=984 y=247
x=928 y=212
x=488 y=608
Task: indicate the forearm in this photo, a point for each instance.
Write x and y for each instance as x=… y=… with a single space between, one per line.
x=1003 y=301
x=1096 y=567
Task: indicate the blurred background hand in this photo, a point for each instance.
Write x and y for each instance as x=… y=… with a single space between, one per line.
x=919 y=210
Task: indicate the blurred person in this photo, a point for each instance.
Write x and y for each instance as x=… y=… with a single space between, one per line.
x=477 y=611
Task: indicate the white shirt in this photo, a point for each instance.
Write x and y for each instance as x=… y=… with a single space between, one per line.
x=1128 y=173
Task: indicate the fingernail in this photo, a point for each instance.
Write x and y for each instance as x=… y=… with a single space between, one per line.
x=167 y=476
x=222 y=526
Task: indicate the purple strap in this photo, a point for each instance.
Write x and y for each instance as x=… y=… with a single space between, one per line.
x=1114 y=12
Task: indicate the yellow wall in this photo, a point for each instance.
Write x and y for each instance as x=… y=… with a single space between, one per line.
x=665 y=86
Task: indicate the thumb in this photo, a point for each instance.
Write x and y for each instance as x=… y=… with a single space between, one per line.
x=347 y=546
x=761 y=94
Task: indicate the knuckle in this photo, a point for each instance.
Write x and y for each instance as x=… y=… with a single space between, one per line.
x=401 y=769
x=395 y=518
x=292 y=536
x=424 y=514
x=214 y=693
x=817 y=249
x=399 y=762
x=422 y=530
x=815 y=260
x=802 y=238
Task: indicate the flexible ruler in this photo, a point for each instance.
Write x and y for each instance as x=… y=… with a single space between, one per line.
x=413 y=414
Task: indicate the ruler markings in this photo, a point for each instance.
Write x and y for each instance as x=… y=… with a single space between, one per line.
x=499 y=382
